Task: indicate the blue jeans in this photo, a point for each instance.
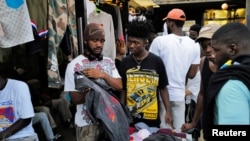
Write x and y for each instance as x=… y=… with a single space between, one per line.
x=29 y=138
x=42 y=118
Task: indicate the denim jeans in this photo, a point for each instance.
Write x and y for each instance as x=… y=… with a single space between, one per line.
x=29 y=138
x=42 y=118
x=46 y=110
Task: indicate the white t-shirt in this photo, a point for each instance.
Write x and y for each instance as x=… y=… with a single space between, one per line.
x=193 y=85
x=15 y=103
x=78 y=64
x=178 y=54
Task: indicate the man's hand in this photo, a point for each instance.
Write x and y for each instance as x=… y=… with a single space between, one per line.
x=188 y=92
x=169 y=118
x=187 y=126
x=93 y=73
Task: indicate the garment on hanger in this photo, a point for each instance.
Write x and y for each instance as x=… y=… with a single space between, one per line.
x=15 y=23
x=65 y=44
x=89 y=8
x=119 y=33
x=97 y=9
x=38 y=10
x=61 y=15
x=106 y=20
x=110 y=9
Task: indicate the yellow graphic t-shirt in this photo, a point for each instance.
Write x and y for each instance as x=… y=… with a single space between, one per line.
x=142 y=93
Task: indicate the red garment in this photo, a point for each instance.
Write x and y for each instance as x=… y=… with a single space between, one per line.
x=131 y=130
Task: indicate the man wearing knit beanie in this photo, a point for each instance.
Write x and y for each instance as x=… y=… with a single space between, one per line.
x=96 y=67
x=94 y=31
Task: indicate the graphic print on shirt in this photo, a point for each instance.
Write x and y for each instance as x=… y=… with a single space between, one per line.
x=141 y=93
x=105 y=65
x=6 y=115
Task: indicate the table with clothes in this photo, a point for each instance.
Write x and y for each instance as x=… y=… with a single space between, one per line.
x=142 y=132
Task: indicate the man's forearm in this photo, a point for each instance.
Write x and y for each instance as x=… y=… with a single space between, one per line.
x=115 y=83
x=77 y=97
x=165 y=99
x=198 y=109
x=17 y=126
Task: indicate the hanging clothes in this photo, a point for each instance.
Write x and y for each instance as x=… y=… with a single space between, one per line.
x=110 y=9
x=89 y=8
x=61 y=15
x=120 y=34
x=106 y=20
x=15 y=23
x=38 y=10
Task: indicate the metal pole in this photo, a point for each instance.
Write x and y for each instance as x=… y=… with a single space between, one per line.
x=248 y=13
x=80 y=35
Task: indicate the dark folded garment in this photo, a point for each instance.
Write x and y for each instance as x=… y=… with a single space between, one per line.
x=170 y=132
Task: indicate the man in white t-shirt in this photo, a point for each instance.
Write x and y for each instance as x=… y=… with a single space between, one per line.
x=16 y=111
x=94 y=66
x=181 y=60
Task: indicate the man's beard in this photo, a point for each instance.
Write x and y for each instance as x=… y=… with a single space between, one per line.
x=192 y=38
x=90 y=50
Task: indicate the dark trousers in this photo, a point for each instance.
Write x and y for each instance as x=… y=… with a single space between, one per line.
x=189 y=113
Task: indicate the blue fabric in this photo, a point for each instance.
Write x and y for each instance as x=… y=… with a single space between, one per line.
x=42 y=118
x=240 y=70
x=15 y=4
x=233 y=96
x=67 y=97
x=142 y=125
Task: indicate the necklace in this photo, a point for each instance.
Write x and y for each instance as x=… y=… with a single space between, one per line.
x=138 y=63
x=145 y=54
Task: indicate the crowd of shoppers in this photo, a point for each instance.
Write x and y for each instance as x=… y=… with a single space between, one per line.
x=152 y=83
